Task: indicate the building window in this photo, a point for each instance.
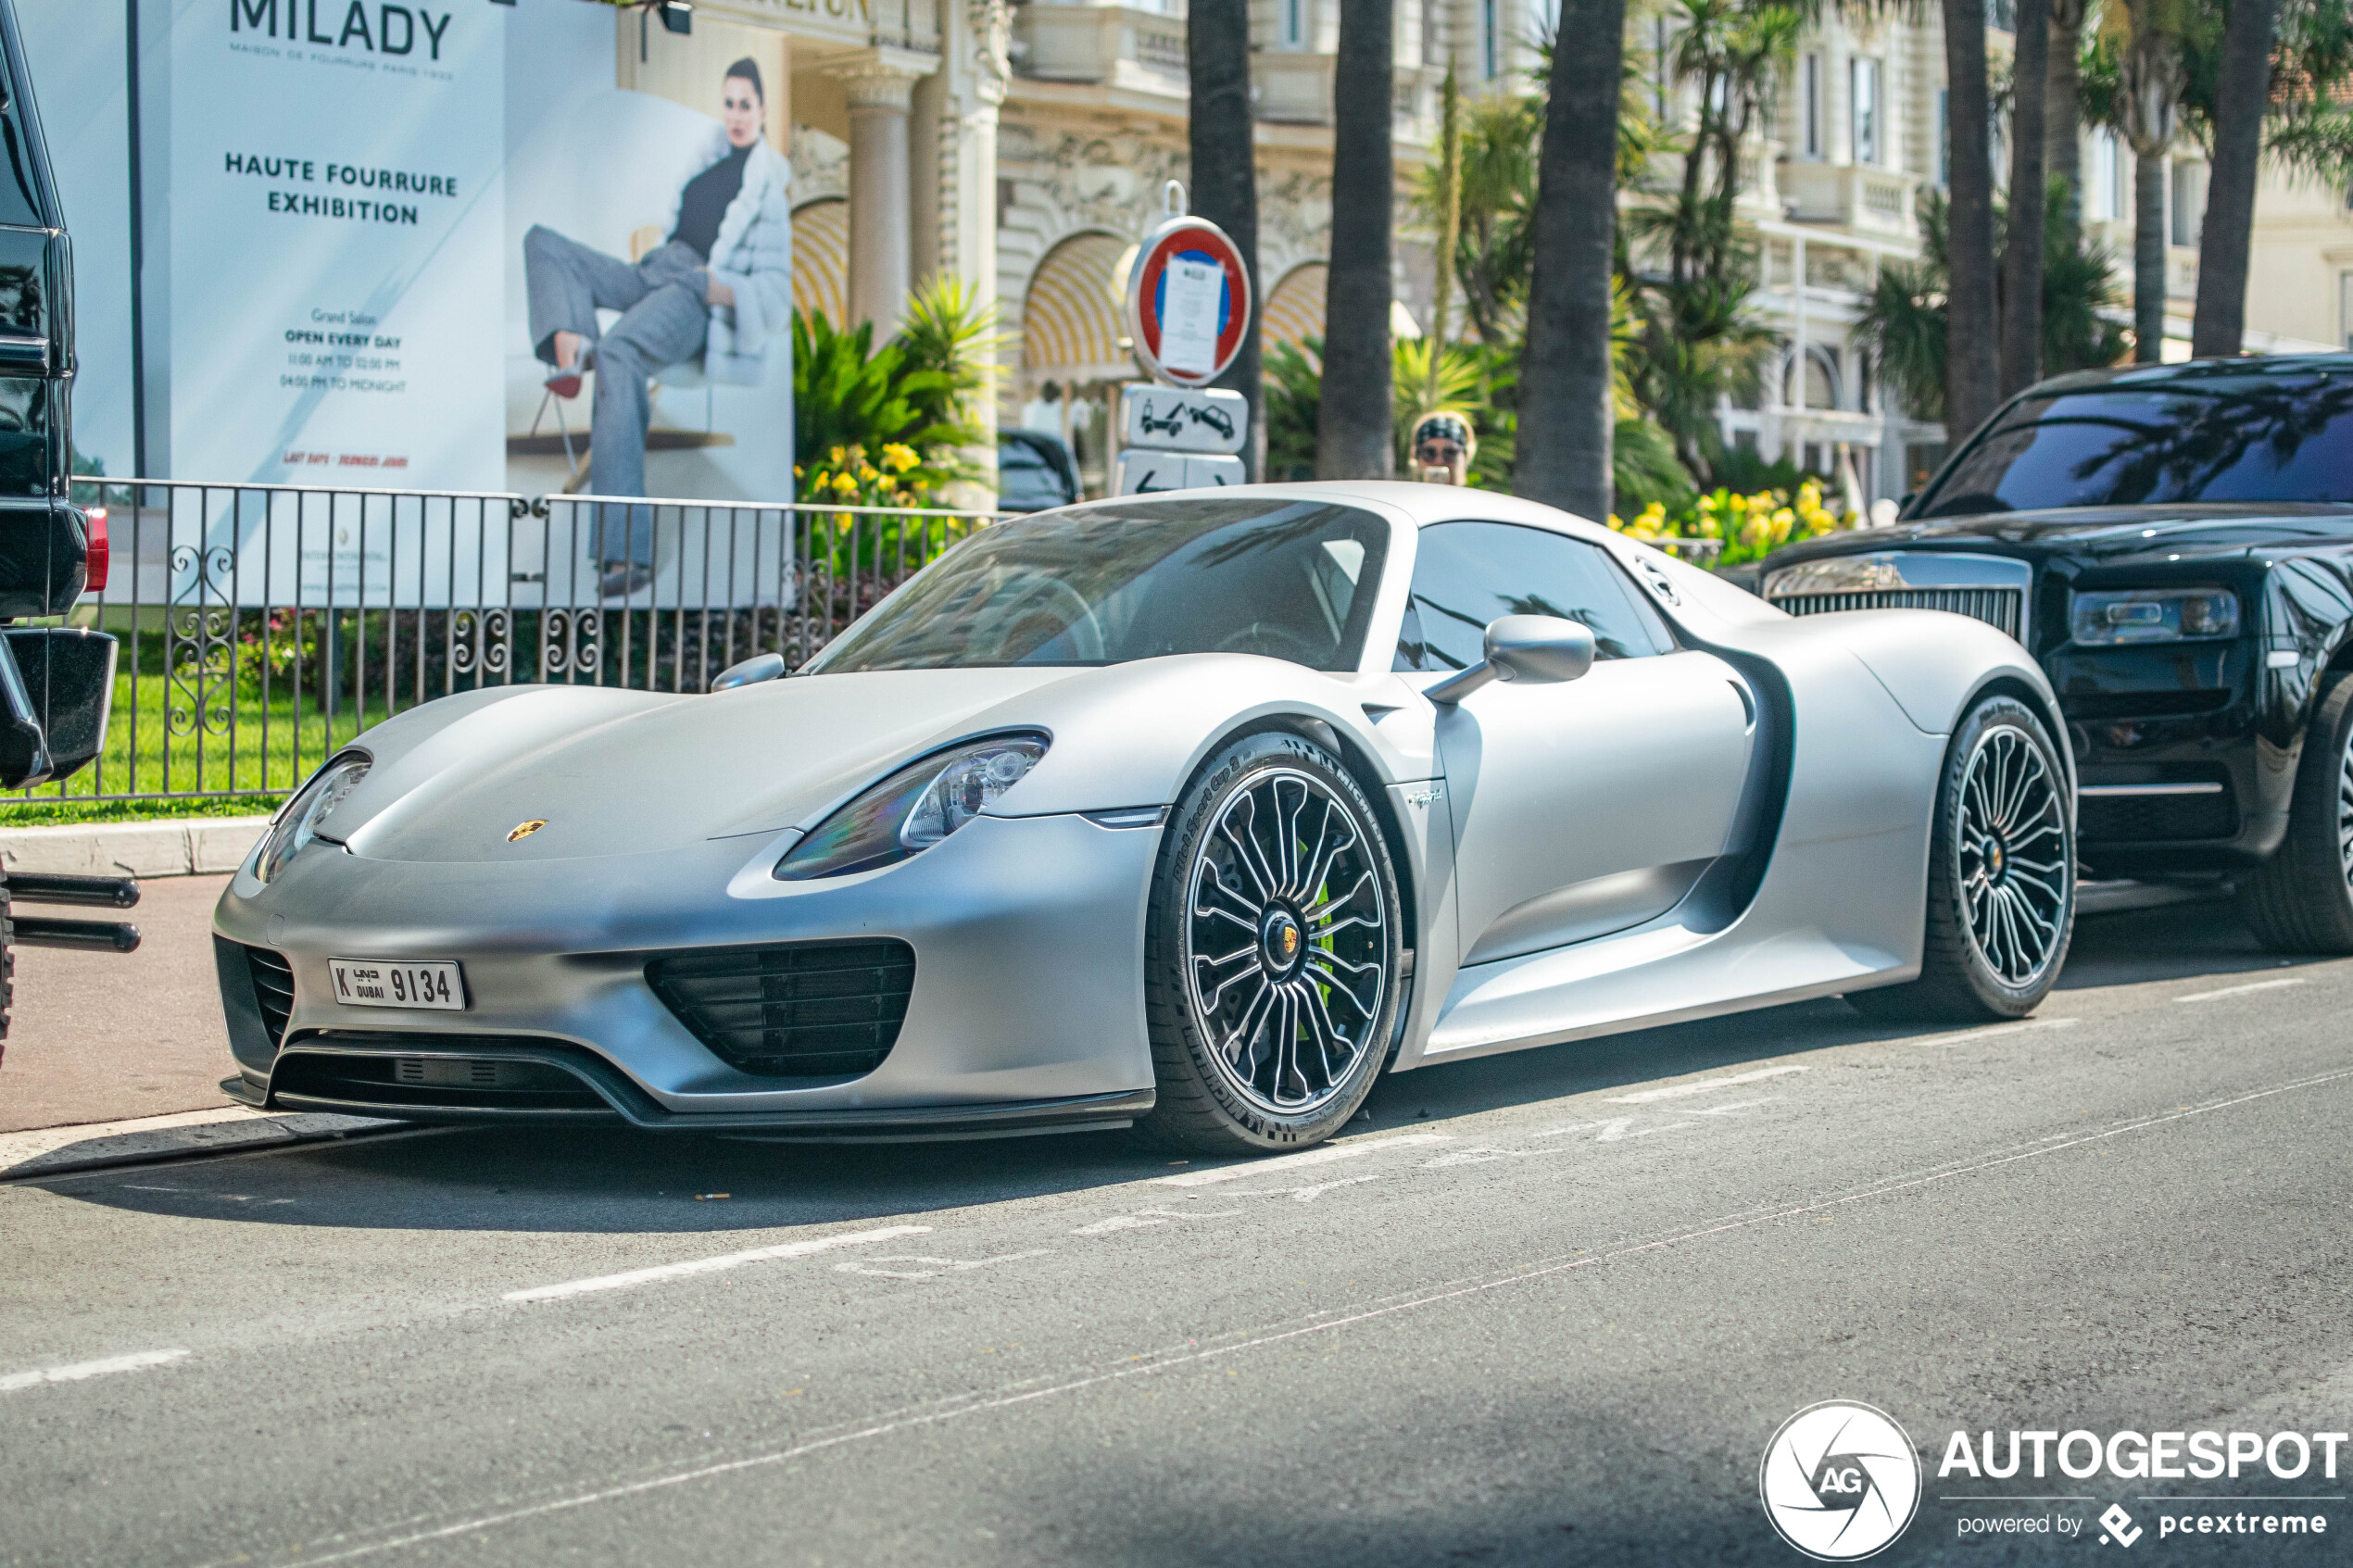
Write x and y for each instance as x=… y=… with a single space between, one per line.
x=2105 y=195
x=1809 y=107
x=1943 y=137
x=2344 y=305
x=1544 y=16
x=1491 y=51
x=1294 y=23
x=1863 y=80
x=2188 y=200
x=1660 y=72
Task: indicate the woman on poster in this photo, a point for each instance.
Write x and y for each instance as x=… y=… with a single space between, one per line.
x=720 y=287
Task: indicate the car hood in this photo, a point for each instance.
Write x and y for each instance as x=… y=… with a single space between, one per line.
x=2101 y=535
x=621 y=772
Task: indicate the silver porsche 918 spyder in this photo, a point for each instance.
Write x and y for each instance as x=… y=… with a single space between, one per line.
x=1197 y=811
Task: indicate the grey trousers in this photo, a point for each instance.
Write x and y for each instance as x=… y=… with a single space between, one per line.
x=663 y=320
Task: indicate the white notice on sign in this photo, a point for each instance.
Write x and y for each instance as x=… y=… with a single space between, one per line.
x=1190 y=293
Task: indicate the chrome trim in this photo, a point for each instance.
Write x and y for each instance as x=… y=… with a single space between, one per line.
x=1992 y=589
x=1899 y=570
x=2111 y=792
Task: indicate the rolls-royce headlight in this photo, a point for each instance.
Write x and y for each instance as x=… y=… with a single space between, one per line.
x=300 y=820
x=914 y=808
x=2153 y=615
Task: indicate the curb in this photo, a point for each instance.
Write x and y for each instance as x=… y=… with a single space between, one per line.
x=52 y=1151
x=193 y=846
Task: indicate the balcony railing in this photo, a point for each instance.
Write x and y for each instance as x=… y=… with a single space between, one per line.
x=1108 y=45
x=1867 y=200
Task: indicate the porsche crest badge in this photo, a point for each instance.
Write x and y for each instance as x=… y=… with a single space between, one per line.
x=525 y=830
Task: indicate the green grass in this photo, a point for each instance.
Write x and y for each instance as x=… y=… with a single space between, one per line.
x=156 y=746
x=70 y=812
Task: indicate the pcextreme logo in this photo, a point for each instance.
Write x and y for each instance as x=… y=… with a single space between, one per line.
x=1839 y=1480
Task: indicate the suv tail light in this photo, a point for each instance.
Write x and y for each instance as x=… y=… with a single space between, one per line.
x=100 y=553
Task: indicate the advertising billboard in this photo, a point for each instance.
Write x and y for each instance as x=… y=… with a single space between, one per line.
x=374 y=235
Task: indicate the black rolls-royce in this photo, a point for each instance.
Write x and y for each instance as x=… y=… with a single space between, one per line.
x=2174 y=544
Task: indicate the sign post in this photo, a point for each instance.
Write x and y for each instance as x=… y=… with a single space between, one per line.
x=1189 y=305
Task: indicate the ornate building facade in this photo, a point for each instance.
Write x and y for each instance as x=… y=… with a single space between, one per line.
x=1024 y=149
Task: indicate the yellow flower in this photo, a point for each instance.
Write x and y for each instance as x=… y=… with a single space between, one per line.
x=885 y=484
x=834 y=457
x=846 y=484
x=901 y=457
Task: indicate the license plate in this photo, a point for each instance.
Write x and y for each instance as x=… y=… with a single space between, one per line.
x=380 y=983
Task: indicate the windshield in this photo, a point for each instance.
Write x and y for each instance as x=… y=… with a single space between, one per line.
x=1291 y=580
x=2218 y=438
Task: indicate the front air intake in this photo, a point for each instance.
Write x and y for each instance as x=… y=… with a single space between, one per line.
x=274 y=990
x=807 y=1010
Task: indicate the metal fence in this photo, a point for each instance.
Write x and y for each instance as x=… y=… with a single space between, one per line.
x=263 y=625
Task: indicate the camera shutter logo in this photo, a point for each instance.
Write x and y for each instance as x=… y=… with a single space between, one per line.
x=1839 y=1480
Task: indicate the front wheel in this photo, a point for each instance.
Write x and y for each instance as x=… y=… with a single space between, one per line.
x=2001 y=876
x=1272 y=952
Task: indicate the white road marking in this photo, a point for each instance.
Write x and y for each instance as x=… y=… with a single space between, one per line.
x=1481 y=1155
x=710 y=1265
x=1733 y=1108
x=1116 y=1223
x=1996 y=1030
x=138 y=1361
x=933 y=1267
x=2240 y=990
x=1522 y=1275
x=1676 y=1091
x=1323 y=1156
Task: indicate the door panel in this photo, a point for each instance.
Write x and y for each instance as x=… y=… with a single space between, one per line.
x=1592 y=805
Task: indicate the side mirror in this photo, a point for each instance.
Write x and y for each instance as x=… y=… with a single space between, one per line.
x=759 y=667
x=1535 y=648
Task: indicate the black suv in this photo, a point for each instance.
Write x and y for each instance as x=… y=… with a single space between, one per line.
x=55 y=681
x=2174 y=544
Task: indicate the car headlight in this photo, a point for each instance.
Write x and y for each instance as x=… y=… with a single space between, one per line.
x=2153 y=615
x=300 y=820
x=914 y=808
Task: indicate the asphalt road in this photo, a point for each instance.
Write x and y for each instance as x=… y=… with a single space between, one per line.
x=1545 y=1307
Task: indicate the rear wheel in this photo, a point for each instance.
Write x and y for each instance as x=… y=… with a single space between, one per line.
x=2301 y=899
x=1272 y=952
x=2001 y=876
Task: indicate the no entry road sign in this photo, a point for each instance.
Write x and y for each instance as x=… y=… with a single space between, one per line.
x=1188 y=301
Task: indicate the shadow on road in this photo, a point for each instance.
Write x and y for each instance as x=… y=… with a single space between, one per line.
x=620 y=1181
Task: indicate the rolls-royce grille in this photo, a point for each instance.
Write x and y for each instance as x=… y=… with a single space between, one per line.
x=272 y=989
x=2003 y=608
x=809 y=1009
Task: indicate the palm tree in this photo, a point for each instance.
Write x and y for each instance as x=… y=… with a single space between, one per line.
x=2022 y=247
x=2151 y=78
x=1352 y=417
x=1225 y=174
x=1566 y=414
x=2063 y=112
x=1971 y=382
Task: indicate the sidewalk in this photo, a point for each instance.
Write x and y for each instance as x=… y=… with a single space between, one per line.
x=105 y=1036
x=117 y=1059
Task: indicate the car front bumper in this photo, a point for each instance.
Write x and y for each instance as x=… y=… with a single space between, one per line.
x=1027 y=1008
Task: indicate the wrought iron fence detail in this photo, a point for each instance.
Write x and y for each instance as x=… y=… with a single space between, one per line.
x=263 y=627
x=569 y=642
x=200 y=646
